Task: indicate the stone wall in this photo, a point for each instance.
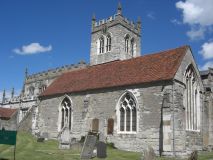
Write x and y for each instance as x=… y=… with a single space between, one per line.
x=102 y=105
x=10 y=124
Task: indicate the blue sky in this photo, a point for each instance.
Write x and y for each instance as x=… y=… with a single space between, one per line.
x=40 y=34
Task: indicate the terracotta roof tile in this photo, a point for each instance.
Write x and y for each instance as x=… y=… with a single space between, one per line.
x=6 y=113
x=144 y=69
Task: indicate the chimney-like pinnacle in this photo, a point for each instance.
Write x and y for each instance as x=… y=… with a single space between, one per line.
x=12 y=92
x=93 y=17
x=119 y=10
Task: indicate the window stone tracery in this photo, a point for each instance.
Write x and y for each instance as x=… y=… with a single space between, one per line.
x=192 y=100
x=127 y=114
x=66 y=114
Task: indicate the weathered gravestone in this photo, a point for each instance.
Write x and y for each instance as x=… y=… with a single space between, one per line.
x=193 y=156
x=89 y=146
x=148 y=153
x=101 y=150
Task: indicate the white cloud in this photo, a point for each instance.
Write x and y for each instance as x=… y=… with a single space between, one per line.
x=207 y=65
x=151 y=15
x=197 y=13
x=32 y=48
x=176 y=22
x=196 y=34
x=207 y=50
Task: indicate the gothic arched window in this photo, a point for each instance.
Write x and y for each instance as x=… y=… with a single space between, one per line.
x=66 y=113
x=127 y=114
x=192 y=100
x=31 y=90
x=108 y=45
x=127 y=43
x=101 y=47
x=132 y=47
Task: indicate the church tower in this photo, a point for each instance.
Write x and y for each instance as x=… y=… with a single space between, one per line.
x=115 y=38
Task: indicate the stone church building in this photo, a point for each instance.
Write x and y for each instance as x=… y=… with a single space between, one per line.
x=157 y=99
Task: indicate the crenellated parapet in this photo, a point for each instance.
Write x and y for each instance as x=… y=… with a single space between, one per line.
x=115 y=20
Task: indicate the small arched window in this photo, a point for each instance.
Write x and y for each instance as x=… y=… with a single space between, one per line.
x=192 y=100
x=101 y=47
x=127 y=43
x=31 y=90
x=127 y=114
x=66 y=113
x=132 y=47
x=108 y=45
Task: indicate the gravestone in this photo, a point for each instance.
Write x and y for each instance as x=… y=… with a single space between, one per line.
x=101 y=150
x=148 y=153
x=102 y=137
x=193 y=156
x=89 y=146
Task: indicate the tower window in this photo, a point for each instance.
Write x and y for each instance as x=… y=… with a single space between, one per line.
x=101 y=48
x=132 y=47
x=108 y=46
x=31 y=90
x=127 y=44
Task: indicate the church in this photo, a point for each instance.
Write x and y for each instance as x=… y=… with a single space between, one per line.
x=157 y=99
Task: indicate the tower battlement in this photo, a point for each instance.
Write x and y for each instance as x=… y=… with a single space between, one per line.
x=117 y=19
x=114 y=38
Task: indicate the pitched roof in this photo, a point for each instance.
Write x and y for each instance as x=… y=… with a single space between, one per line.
x=149 y=68
x=6 y=113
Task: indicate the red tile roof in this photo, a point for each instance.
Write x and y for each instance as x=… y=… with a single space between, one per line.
x=149 y=68
x=6 y=113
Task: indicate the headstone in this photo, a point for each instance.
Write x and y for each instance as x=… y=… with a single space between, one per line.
x=40 y=139
x=148 y=153
x=101 y=150
x=45 y=135
x=193 y=156
x=89 y=146
x=102 y=137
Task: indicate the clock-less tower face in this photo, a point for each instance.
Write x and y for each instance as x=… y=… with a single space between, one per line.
x=115 y=38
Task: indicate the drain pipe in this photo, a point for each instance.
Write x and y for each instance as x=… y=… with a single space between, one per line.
x=173 y=119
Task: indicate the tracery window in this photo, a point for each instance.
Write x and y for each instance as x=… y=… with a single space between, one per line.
x=108 y=45
x=127 y=114
x=192 y=100
x=127 y=43
x=101 y=47
x=66 y=113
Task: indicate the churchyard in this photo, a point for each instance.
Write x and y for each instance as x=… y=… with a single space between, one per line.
x=27 y=148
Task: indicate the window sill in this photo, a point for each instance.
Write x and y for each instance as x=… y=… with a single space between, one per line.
x=124 y=132
x=196 y=131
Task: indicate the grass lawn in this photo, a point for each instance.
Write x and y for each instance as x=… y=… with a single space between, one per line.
x=29 y=149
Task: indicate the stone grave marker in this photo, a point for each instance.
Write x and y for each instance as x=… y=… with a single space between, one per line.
x=193 y=156
x=89 y=146
x=101 y=150
x=148 y=153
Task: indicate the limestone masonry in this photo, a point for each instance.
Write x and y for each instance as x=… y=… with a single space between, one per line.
x=160 y=100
